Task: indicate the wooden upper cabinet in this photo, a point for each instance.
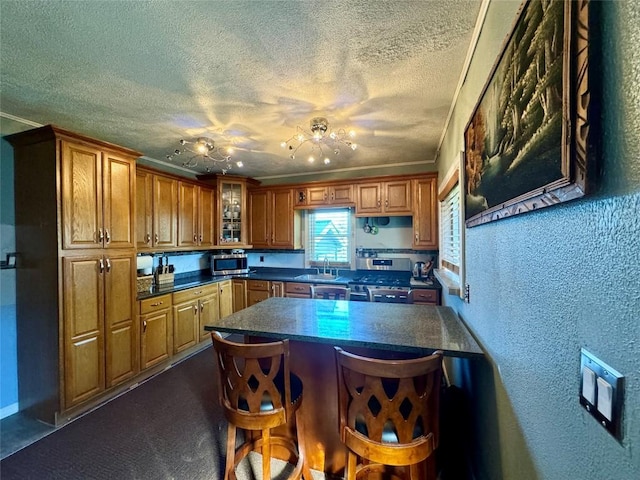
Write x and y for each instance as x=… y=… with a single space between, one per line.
x=207 y=217
x=165 y=212
x=156 y=211
x=260 y=211
x=274 y=223
x=144 y=209
x=325 y=195
x=97 y=197
x=188 y=228
x=393 y=197
x=425 y=217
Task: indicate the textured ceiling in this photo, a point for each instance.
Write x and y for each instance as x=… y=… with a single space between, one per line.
x=144 y=74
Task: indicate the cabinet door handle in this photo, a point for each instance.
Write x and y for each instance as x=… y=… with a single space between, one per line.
x=201 y=307
x=386 y=203
x=101 y=262
x=148 y=239
x=198 y=293
x=107 y=237
x=108 y=265
x=195 y=309
x=332 y=196
x=195 y=238
x=100 y=236
x=144 y=326
x=156 y=238
x=378 y=202
x=200 y=238
x=417 y=237
x=156 y=304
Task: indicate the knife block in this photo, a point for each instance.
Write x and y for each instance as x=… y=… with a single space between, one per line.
x=164 y=279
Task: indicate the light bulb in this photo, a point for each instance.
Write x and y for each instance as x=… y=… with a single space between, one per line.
x=201 y=148
x=283 y=144
x=240 y=164
x=327 y=161
x=353 y=146
x=352 y=134
x=300 y=137
x=230 y=151
x=311 y=159
x=333 y=135
x=317 y=136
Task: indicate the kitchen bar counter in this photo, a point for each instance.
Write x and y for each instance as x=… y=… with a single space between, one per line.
x=418 y=329
x=314 y=327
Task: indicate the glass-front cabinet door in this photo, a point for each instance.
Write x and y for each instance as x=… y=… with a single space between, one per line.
x=233 y=224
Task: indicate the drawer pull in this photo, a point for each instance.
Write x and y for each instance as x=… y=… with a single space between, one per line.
x=156 y=304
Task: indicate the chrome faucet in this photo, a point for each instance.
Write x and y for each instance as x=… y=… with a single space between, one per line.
x=325 y=265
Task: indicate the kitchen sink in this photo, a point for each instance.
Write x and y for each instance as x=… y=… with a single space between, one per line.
x=316 y=276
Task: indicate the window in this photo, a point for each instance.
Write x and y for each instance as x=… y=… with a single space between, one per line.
x=450 y=271
x=450 y=230
x=329 y=237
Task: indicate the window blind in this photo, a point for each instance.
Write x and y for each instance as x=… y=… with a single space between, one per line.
x=329 y=237
x=450 y=230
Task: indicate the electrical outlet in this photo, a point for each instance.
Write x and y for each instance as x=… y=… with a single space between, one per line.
x=467 y=293
x=601 y=392
x=262 y=258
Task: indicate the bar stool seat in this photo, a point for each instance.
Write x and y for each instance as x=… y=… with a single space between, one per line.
x=258 y=392
x=389 y=414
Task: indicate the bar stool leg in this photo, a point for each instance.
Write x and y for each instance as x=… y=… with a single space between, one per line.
x=306 y=471
x=231 y=450
x=266 y=453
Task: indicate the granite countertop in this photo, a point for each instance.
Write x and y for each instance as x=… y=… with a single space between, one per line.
x=408 y=328
x=185 y=281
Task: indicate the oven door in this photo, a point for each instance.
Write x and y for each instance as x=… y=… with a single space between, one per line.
x=384 y=295
x=358 y=296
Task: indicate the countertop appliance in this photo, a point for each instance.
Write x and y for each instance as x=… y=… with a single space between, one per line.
x=421 y=270
x=381 y=273
x=229 y=264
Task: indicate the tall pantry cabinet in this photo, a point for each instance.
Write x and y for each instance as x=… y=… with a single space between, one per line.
x=75 y=281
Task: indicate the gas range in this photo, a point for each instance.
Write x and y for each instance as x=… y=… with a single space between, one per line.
x=362 y=283
x=381 y=273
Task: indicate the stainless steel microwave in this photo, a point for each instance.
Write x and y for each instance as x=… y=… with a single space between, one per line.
x=229 y=264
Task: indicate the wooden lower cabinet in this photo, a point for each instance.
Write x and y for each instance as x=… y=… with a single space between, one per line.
x=188 y=312
x=99 y=331
x=297 y=290
x=425 y=297
x=156 y=342
x=259 y=290
x=239 y=287
x=225 y=289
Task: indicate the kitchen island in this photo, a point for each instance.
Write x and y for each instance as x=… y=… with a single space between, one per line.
x=314 y=327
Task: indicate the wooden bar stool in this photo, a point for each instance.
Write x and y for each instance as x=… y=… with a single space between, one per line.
x=258 y=392
x=329 y=292
x=388 y=414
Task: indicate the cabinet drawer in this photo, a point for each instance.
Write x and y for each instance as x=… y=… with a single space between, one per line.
x=194 y=293
x=154 y=304
x=298 y=288
x=424 y=296
x=258 y=285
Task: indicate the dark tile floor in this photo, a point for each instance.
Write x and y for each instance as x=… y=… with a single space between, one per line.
x=17 y=431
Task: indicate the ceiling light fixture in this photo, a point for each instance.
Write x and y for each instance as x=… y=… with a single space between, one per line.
x=206 y=152
x=322 y=140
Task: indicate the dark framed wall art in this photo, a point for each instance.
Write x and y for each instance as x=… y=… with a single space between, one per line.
x=526 y=144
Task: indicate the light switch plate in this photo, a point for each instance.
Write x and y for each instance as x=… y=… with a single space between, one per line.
x=607 y=392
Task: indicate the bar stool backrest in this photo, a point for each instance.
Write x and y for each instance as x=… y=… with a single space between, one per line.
x=389 y=409
x=330 y=292
x=253 y=382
